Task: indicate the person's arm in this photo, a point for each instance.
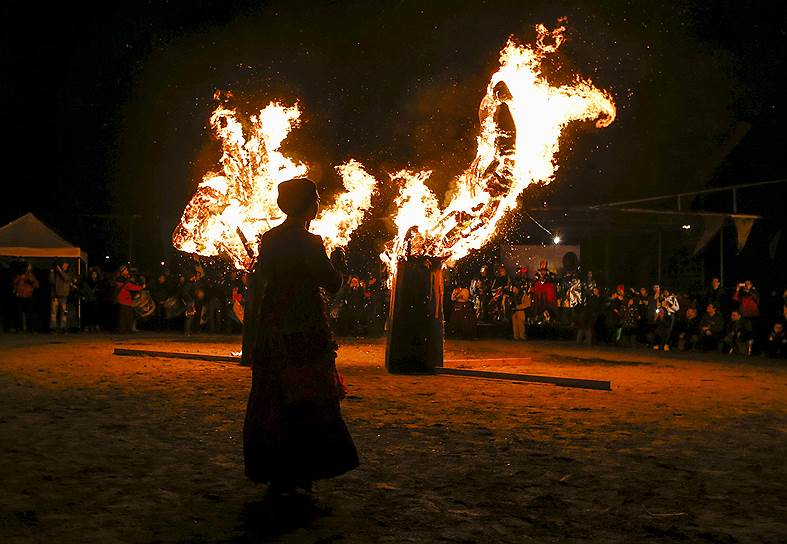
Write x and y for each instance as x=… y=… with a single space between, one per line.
x=323 y=270
x=131 y=286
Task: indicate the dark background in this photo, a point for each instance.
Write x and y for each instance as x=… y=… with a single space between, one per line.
x=106 y=107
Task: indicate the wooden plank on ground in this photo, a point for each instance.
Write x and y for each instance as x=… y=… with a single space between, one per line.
x=126 y=352
x=453 y=363
x=600 y=385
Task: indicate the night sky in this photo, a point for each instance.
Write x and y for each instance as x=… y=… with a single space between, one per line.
x=106 y=108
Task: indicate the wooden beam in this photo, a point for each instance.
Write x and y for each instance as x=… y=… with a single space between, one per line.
x=600 y=385
x=564 y=382
x=454 y=363
x=124 y=352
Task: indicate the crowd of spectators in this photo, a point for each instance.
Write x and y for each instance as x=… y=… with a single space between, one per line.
x=209 y=297
x=735 y=320
x=202 y=296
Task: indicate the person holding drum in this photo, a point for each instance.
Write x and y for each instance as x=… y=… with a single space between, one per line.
x=125 y=289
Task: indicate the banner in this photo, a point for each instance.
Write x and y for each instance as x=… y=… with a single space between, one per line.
x=711 y=225
x=743 y=226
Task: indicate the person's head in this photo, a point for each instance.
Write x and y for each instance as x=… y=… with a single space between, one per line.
x=93 y=274
x=501 y=270
x=748 y=285
x=716 y=283
x=710 y=309
x=691 y=313
x=162 y=279
x=243 y=277
x=372 y=280
x=29 y=268
x=735 y=315
x=124 y=271
x=643 y=292
x=354 y=283
x=630 y=301
x=620 y=290
x=656 y=288
x=590 y=274
x=665 y=292
x=299 y=199
x=596 y=291
x=484 y=271
x=778 y=327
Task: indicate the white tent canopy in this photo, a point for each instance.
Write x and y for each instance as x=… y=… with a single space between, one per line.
x=29 y=237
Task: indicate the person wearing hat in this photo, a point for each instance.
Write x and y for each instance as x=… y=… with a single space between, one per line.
x=294 y=432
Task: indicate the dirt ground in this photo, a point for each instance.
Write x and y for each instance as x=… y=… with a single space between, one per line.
x=100 y=448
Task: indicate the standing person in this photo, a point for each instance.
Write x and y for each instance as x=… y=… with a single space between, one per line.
x=748 y=299
x=60 y=280
x=521 y=304
x=90 y=292
x=25 y=285
x=715 y=295
x=294 y=432
x=125 y=289
x=629 y=321
x=161 y=292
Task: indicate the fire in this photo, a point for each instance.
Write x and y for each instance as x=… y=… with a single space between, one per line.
x=239 y=202
x=522 y=117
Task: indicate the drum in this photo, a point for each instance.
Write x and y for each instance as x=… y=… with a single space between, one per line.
x=144 y=306
x=173 y=307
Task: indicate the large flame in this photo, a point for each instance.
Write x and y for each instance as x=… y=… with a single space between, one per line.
x=522 y=117
x=232 y=207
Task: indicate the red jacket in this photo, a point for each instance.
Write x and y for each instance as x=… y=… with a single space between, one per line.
x=125 y=291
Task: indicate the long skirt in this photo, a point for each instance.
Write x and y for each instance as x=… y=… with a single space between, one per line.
x=294 y=431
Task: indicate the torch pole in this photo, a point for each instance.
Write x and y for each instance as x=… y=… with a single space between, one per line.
x=249 y=306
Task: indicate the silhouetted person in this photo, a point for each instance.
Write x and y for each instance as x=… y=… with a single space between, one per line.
x=25 y=285
x=294 y=432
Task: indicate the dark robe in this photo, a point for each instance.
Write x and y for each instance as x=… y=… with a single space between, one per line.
x=294 y=431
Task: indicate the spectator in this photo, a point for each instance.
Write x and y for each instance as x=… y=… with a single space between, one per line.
x=776 y=344
x=521 y=303
x=61 y=282
x=25 y=285
x=715 y=295
x=463 y=318
x=711 y=329
x=665 y=320
x=738 y=338
x=687 y=330
x=90 y=295
x=353 y=308
x=629 y=321
x=748 y=299
x=125 y=289
x=161 y=291
x=588 y=317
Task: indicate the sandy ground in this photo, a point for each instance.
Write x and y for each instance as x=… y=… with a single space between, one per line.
x=98 y=448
